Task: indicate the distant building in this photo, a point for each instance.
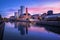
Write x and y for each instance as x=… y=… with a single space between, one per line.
x=43 y=15
x=35 y=16
x=54 y=17
x=26 y=15
x=50 y=12
x=16 y=15
x=21 y=10
x=29 y=16
x=12 y=18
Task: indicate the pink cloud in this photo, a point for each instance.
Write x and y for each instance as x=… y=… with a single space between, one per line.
x=12 y=10
x=9 y=14
x=43 y=9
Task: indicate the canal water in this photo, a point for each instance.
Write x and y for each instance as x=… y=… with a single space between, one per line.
x=18 y=31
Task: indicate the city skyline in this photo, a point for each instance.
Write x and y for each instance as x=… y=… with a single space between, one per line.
x=8 y=7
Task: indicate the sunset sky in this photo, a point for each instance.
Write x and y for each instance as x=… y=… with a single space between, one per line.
x=8 y=7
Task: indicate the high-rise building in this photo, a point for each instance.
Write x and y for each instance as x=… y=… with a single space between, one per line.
x=21 y=10
x=16 y=14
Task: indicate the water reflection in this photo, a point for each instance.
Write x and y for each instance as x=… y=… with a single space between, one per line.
x=22 y=27
x=16 y=25
x=54 y=29
x=34 y=32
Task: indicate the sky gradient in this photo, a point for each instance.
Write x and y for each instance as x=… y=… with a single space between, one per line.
x=8 y=7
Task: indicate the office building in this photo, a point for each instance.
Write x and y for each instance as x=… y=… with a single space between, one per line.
x=21 y=10
x=16 y=15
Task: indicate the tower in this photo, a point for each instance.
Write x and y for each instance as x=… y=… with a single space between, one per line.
x=26 y=12
x=21 y=10
x=16 y=14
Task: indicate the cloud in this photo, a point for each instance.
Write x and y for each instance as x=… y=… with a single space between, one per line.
x=11 y=10
x=44 y=8
x=11 y=14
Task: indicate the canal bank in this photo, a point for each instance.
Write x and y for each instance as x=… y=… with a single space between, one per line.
x=50 y=23
x=2 y=26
